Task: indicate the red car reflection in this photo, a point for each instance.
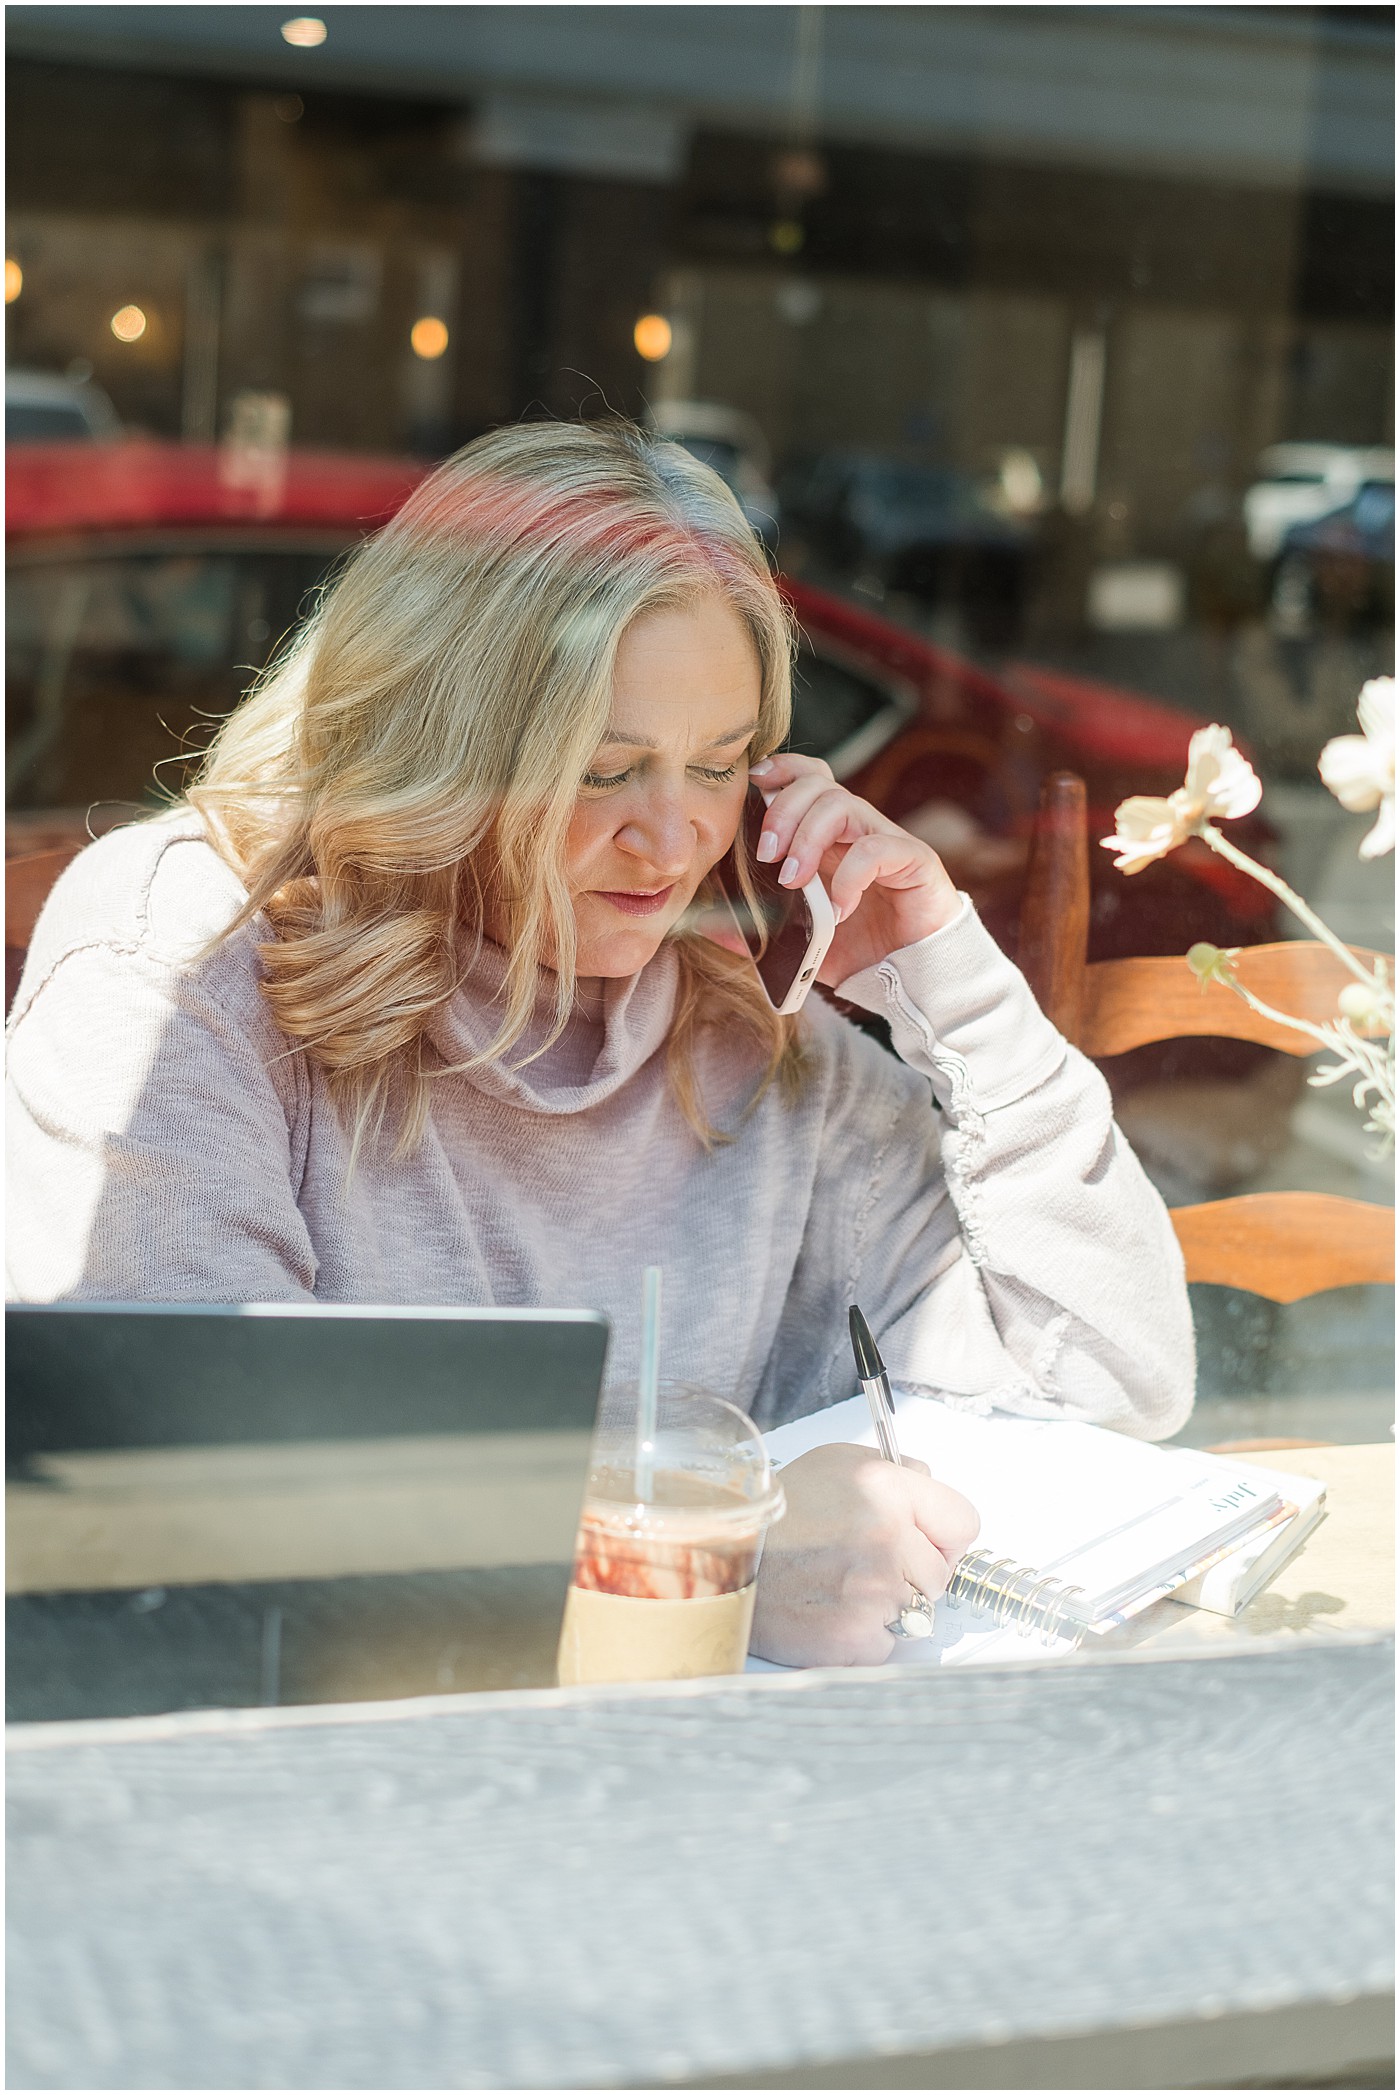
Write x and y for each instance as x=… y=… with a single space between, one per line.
x=147 y=582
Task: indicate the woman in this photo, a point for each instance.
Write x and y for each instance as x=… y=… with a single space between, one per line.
x=409 y=1003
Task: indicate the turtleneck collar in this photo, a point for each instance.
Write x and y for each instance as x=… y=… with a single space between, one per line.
x=615 y=1029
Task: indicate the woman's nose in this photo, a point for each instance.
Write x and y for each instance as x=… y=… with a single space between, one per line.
x=662 y=833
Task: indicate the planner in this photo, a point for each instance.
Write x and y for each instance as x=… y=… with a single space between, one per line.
x=1081 y=1529
x=1232 y=1583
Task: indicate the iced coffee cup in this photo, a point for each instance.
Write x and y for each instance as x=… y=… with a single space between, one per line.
x=668 y=1552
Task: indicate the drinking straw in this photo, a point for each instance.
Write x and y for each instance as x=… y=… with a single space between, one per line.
x=647 y=1381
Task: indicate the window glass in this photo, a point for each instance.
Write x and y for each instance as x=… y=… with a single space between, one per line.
x=45 y=425
x=1059 y=392
x=831 y=703
x=118 y=667
x=712 y=452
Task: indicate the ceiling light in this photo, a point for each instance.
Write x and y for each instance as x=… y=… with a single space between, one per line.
x=652 y=337
x=429 y=337
x=305 y=31
x=128 y=324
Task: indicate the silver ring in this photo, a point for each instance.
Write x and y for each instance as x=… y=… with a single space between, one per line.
x=915 y=1620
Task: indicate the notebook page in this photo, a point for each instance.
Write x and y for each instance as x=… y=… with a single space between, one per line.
x=1123 y=1563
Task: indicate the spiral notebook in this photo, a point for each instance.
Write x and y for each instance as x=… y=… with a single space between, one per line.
x=1081 y=1527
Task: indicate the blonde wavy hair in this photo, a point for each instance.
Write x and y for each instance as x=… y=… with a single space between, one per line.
x=423 y=737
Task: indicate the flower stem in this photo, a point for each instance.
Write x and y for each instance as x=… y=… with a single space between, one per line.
x=1280 y=1018
x=1276 y=886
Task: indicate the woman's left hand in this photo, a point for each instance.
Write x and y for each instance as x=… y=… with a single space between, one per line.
x=888 y=889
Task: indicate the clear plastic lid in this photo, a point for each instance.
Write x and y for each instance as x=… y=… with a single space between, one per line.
x=707 y=1459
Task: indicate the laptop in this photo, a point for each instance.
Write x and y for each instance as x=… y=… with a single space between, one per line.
x=215 y=1507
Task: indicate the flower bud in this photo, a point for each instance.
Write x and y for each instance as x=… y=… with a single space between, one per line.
x=1208 y=963
x=1361 y=1003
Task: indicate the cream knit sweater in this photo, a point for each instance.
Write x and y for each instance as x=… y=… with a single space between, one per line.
x=166 y=1144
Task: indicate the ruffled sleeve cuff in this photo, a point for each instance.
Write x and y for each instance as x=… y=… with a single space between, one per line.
x=962 y=1014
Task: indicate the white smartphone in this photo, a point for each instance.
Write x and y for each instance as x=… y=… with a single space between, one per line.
x=798 y=923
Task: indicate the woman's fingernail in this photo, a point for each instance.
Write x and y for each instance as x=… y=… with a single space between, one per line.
x=789 y=872
x=767 y=848
x=757 y=770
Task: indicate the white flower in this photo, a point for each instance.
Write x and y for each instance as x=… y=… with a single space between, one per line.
x=1363 y=1003
x=1220 y=785
x=1360 y=769
x=1146 y=829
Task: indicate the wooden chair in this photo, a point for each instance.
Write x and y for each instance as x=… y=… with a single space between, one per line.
x=27 y=884
x=39 y=844
x=1283 y=1246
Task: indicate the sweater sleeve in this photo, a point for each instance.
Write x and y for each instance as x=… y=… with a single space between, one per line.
x=1019 y=1256
x=150 y=1148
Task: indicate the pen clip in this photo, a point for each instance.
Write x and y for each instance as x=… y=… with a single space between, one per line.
x=870 y=1372
x=882 y=1413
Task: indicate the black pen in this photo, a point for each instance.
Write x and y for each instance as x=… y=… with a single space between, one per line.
x=876 y=1383
x=915 y=1620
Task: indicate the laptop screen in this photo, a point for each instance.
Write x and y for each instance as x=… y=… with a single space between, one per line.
x=242 y=1506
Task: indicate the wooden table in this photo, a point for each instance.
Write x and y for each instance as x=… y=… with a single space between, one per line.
x=1060 y=1876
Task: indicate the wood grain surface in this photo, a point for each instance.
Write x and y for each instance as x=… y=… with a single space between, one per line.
x=1287 y=1245
x=763 y=1878
x=27 y=884
x=1127 y=1003
x=1054 y=923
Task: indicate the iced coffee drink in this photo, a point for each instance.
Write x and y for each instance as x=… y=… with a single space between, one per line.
x=663 y=1585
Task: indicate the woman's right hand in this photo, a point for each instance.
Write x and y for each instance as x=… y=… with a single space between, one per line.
x=858 y=1533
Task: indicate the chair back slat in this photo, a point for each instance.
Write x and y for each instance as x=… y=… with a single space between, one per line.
x=1128 y=1003
x=1287 y=1245
x=27 y=884
x=1054 y=929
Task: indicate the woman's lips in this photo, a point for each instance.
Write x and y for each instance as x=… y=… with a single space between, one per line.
x=633 y=904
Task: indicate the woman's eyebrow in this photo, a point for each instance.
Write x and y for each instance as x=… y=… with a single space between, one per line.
x=619 y=738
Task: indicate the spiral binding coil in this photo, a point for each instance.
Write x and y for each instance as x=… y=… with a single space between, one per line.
x=1012 y=1593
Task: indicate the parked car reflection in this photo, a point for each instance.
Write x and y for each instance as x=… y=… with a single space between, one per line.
x=1300 y=482
x=44 y=407
x=924 y=532
x=732 y=445
x=1339 y=570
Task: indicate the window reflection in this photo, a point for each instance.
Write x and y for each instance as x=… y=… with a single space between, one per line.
x=120 y=666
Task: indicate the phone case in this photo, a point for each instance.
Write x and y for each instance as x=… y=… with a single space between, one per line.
x=823 y=931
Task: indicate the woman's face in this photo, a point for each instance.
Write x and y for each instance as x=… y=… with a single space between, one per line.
x=663 y=795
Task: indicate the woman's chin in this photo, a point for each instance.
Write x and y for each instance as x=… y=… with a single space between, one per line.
x=621 y=948
x=626 y=954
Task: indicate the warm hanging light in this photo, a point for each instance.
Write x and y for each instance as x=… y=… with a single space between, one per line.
x=652 y=337
x=128 y=324
x=14 y=280
x=429 y=337
x=305 y=31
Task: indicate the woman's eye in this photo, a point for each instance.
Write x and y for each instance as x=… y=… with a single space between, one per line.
x=599 y=783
